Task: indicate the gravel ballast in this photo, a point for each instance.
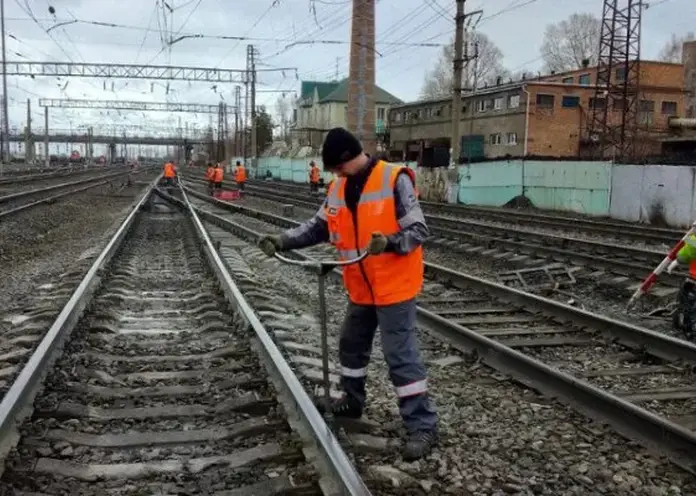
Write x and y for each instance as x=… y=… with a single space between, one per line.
x=497 y=438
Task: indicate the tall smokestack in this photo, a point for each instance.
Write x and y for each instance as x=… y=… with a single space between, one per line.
x=361 y=75
x=689 y=61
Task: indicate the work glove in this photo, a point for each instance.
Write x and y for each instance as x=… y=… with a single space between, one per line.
x=672 y=266
x=270 y=245
x=378 y=243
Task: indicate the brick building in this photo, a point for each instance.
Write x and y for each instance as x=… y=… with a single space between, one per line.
x=545 y=116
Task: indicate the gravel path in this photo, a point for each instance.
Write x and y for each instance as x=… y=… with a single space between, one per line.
x=39 y=244
x=498 y=438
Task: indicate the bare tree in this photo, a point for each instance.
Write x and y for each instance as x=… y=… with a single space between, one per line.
x=485 y=69
x=672 y=50
x=282 y=108
x=569 y=42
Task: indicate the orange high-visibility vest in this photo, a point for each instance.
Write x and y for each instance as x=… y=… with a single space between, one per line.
x=218 y=175
x=383 y=279
x=314 y=175
x=169 y=170
x=240 y=174
x=210 y=173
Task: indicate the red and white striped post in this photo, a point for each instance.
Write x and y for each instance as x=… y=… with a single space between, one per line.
x=666 y=262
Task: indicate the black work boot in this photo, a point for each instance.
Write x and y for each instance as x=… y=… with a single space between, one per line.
x=347 y=407
x=419 y=444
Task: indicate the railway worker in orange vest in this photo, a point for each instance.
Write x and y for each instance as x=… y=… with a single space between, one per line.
x=372 y=206
x=685 y=316
x=210 y=176
x=314 y=176
x=240 y=175
x=218 y=176
x=169 y=174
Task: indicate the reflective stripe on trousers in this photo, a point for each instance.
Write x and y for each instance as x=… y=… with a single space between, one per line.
x=397 y=330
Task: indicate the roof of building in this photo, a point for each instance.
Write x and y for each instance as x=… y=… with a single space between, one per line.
x=534 y=80
x=337 y=91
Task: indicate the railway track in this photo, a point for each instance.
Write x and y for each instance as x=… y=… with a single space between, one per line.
x=11 y=181
x=595 y=227
x=23 y=200
x=637 y=380
x=24 y=328
x=168 y=384
x=614 y=264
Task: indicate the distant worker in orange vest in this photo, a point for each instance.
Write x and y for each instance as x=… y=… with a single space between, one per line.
x=240 y=175
x=372 y=207
x=314 y=176
x=169 y=174
x=210 y=176
x=218 y=176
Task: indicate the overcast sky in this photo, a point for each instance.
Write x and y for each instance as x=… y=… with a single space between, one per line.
x=515 y=25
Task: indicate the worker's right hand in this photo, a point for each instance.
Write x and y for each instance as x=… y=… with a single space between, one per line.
x=672 y=266
x=270 y=245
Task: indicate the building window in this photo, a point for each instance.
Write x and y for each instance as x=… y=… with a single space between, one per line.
x=598 y=103
x=511 y=139
x=645 y=118
x=584 y=79
x=498 y=103
x=513 y=101
x=480 y=106
x=495 y=139
x=619 y=104
x=646 y=106
x=669 y=108
x=396 y=116
x=570 y=101
x=620 y=74
x=568 y=80
x=380 y=113
x=545 y=101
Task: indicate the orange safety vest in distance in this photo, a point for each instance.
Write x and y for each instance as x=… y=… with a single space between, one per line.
x=210 y=173
x=388 y=278
x=314 y=175
x=218 y=174
x=169 y=171
x=240 y=174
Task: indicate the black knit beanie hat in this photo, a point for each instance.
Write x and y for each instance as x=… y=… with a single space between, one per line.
x=340 y=146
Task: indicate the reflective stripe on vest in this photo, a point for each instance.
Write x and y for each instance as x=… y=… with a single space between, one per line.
x=382 y=279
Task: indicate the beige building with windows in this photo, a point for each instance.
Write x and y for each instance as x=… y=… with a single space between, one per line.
x=324 y=105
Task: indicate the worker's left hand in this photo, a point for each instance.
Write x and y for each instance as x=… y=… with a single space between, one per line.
x=673 y=265
x=378 y=243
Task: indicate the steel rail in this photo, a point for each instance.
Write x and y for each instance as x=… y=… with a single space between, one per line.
x=531 y=243
x=335 y=459
x=16 y=404
x=50 y=199
x=24 y=194
x=632 y=421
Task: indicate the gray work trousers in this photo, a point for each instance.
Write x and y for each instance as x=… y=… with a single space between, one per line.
x=397 y=325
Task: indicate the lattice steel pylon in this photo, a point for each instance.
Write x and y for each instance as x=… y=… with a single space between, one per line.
x=614 y=110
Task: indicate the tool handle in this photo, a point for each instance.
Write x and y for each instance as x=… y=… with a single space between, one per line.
x=321 y=263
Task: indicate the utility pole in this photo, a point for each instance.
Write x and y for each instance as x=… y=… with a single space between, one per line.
x=6 y=122
x=237 y=135
x=455 y=140
x=252 y=103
